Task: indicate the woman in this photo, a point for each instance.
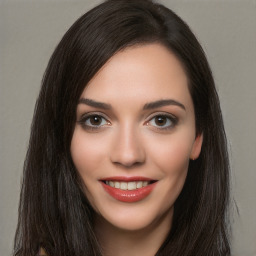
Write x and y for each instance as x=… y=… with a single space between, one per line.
x=127 y=154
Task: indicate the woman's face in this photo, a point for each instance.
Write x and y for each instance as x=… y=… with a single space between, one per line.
x=134 y=137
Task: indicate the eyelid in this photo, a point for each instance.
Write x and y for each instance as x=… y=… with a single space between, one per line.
x=174 y=119
x=87 y=115
x=161 y=113
x=93 y=113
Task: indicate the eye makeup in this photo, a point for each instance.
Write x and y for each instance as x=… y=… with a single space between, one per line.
x=160 y=121
x=93 y=121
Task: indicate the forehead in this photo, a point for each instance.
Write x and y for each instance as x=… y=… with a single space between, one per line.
x=140 y=74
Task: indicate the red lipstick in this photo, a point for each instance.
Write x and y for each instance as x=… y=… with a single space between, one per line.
x=128 y=196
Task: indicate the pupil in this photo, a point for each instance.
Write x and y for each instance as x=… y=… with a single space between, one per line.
x=160 y=120
x=95 y=120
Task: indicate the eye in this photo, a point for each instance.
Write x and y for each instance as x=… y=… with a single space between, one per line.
x=163 y=121
x=93 y=121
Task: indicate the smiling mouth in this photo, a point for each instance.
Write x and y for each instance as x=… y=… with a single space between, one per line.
x=131 y=185
x=128 y=190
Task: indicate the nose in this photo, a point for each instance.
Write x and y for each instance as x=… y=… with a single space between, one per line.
x=127 y=149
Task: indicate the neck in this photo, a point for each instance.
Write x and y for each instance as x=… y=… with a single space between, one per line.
x=120 y=242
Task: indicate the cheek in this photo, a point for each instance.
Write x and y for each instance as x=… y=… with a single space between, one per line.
x=171 y=157
x=176 y=155
x=87 y=153
x=173 y=153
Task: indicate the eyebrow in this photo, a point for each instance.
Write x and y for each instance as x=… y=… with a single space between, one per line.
x=94 y=103
x=147 y=106
x=162 y=103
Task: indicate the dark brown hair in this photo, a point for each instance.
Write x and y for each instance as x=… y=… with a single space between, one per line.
x=54 y=212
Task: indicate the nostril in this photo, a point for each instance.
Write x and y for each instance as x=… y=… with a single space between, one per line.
x=127 y=151
x=127 y=164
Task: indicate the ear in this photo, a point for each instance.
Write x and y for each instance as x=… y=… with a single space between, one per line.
x=196 y=149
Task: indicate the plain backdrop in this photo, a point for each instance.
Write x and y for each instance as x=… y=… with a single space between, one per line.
x=29 y=32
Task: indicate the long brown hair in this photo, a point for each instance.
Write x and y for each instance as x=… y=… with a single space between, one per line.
x=54 y=212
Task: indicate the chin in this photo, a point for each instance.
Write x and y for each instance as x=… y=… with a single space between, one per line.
x=131 y=219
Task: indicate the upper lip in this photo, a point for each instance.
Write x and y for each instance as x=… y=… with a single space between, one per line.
x=127 y=179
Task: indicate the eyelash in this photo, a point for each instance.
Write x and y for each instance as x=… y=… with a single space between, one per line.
x=173 y=121
x=90 y=127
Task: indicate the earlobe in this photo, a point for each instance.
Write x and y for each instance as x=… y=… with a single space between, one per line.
x=196 y=149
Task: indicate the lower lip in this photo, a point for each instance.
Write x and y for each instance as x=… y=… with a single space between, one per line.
x=129 y=196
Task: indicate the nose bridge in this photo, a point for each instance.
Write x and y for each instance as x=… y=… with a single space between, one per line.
x=128 y=147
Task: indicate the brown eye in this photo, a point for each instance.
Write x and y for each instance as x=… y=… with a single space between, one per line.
x=160 y=120
x=95 y=120
x=163 y=121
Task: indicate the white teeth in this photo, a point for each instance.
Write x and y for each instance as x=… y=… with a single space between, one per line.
x=145 y=183
x=117 y=184
x=139 y=184
x=132 y=185
x=123 y=185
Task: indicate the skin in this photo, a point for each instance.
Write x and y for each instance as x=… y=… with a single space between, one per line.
x=129 y=141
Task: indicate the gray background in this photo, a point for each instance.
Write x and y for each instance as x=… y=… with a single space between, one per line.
x=30 y=30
